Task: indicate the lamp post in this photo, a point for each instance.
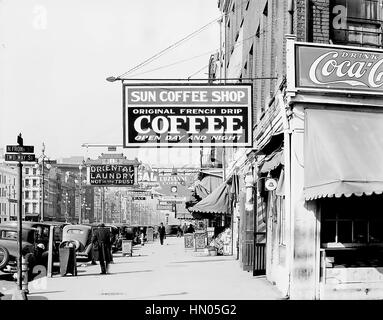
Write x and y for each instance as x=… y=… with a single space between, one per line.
x=43 y=157
x=80 y=195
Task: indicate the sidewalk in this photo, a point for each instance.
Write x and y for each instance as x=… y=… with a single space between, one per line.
x=158 y=272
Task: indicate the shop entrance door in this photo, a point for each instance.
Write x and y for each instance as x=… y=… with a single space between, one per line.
x=259 y=264
x=247 y=236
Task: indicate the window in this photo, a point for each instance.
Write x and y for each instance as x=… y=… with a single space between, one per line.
x=34 y=194
x=356 y=22
x=26 y=194
x=34 y=171
x=34 y=207
x=27 y=183
x=27 y=205
x=8 y=234
x=34 y=182
x=26 y=170
x=350 y=222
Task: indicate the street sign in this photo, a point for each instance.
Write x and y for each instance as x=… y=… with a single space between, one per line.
x=139 y=198
x=20 y=157
x=164 y=207
x=173 y=199
x=26 y=149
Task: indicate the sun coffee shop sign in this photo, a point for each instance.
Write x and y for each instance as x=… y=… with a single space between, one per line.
x=338 y=68
x=159 y=115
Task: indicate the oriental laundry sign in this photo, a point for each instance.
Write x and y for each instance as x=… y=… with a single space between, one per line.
x=108 y=174
x=338 y=68
x=190 y=115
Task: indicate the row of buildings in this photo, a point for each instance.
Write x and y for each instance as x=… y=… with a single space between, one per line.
x=304 y=202
x=60 y=192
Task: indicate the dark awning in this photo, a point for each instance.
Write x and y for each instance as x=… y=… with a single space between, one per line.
x=343 y=153
x=272 y=161
x=215 y=203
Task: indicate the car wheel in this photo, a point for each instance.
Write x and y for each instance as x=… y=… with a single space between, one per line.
x=4 y=257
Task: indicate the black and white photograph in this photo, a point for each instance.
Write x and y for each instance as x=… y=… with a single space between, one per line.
x=191 y=155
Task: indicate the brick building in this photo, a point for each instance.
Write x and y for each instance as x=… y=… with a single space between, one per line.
x=309 y=205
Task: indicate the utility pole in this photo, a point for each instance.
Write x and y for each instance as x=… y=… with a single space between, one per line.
x=43 y=191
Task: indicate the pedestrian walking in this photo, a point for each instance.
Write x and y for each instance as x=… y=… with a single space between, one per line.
x=184 y=228
x=179 y=232
x=161 y=231
x=142 y=237
x=102 y=246
x=190 y=229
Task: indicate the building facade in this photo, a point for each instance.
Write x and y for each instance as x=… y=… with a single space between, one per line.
x=8 y=193
x=306 y=203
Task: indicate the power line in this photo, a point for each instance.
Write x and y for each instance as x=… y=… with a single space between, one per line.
x=174 y=45
x=174 y=63
x=198 y=71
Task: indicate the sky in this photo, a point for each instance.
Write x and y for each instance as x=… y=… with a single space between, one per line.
x=55 y=56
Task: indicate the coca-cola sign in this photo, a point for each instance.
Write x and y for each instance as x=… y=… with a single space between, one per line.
x=339 y=68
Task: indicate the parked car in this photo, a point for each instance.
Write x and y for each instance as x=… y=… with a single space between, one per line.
x=114 y=230
x=31 y=248
x=171 y=230
x=81 y=237
x=43 y=230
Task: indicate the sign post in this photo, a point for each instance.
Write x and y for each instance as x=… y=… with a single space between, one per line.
x=19 y=157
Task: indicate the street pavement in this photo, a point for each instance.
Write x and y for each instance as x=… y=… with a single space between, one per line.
x=155 y=272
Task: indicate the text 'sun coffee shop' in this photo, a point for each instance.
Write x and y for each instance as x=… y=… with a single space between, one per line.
x=332 y=160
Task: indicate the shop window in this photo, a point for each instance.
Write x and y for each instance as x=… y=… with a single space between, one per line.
x=356 y=22
x=352 y=222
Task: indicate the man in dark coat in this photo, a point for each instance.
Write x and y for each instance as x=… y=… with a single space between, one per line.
x=161 y=232
x=102 y=245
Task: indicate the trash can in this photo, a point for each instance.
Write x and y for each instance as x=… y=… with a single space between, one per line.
x=67 y=255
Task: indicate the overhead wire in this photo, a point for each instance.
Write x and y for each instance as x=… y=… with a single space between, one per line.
x=176 y=44
x=238 y=43
x=156 y=56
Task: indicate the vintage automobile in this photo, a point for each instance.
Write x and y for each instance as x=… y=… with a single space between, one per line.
x=43 y=230
x=33 y=251
x=114 y=231
x=125 y=232
x=81 y=237
x=171 y=230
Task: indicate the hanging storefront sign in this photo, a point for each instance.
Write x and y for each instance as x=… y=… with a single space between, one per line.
x=187 y=115
x=271 y=184
x=338 y=68
x=107 y=174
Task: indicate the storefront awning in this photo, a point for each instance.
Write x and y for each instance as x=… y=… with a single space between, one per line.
x=271 y=162
x=343 y=153
x=215 y=203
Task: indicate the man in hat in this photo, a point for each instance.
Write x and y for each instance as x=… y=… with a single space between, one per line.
x=161 y=232
x=102 y=246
